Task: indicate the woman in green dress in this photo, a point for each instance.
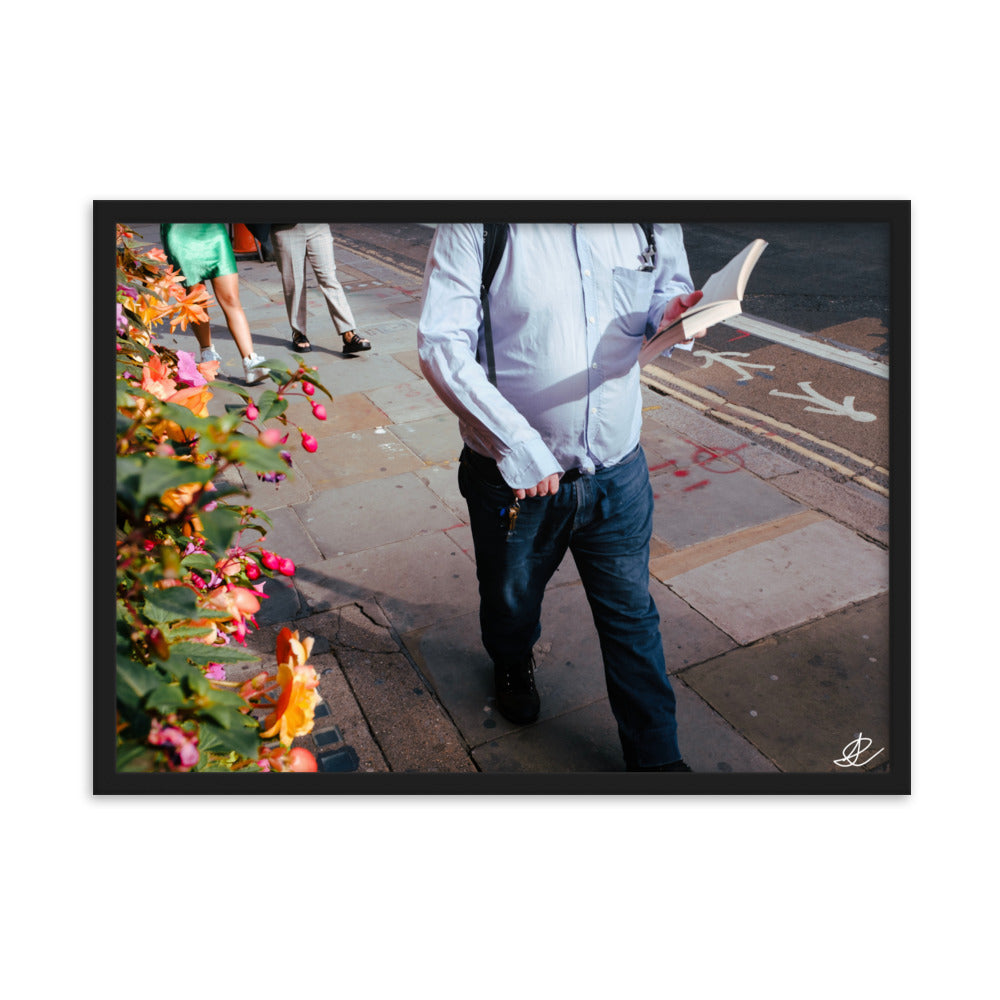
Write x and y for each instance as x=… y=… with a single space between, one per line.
x=201 y=251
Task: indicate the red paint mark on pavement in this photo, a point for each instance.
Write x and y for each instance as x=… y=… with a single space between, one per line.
x=743 y=334
x=696 y=486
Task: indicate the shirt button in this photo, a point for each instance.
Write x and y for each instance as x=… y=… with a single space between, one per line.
x=586 y=274
x=590 y=319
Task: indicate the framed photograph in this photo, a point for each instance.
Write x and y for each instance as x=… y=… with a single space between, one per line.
x=386 y=497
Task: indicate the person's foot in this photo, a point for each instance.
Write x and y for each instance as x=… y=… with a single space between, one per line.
x=517 y=697
x=301 y=342
x=251 y=369
x=210 y=354
x=353 y=343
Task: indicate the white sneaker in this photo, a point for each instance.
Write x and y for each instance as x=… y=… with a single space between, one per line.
x=210 y=354
x=250 y=367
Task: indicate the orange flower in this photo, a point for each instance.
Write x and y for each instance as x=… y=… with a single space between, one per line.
x=289 y=649
x=180 y=496
x=156 y=378
x=196 y=400
x=208 y=369
x=293 y=713
x=190 y=308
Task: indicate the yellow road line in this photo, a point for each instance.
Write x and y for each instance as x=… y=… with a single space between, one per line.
x=681 y=390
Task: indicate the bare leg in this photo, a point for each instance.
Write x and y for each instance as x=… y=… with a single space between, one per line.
x=227 y=294
x=202 y=331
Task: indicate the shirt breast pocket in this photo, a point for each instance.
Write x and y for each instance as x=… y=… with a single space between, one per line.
x=631 y=296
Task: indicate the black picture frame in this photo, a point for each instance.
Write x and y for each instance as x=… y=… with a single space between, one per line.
x=897 y=781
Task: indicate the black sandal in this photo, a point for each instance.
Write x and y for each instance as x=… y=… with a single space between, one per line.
x=301 y=342
x=355 y=343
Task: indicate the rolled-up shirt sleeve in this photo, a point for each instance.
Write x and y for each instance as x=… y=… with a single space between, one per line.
x=447 y=345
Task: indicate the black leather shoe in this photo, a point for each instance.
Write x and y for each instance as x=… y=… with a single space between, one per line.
x=517 y=698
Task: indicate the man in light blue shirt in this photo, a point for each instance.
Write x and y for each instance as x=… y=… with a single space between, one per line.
x=552 y=458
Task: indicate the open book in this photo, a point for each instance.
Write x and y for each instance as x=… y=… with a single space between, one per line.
x=722 y=297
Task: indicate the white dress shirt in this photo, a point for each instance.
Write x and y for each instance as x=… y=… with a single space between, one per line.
x=570 y=308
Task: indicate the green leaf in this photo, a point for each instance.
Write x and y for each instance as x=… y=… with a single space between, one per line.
x=241 y=736
x=271 y=405
x=199 y=652
x=219 y=526
x=134 y=680
x=165 y=699
x=255 y=456
x=162 y=474
x=171 y=604
x=198 y=562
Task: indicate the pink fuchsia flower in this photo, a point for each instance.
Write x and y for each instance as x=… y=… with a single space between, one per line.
x=309 y=442
x=121 y=320
x=215 y=672
x=252 y=412
x=181 y=748
x=240 y=603
x=308 y=388
x=319 y=411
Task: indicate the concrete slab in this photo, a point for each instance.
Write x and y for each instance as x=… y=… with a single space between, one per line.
x=442 y=480
x=785 y=581
x=340 y=724
x=268 y=497
x=373 y=513
x=344 y=414
x=804 y=696
x=412 y=732
x=289 y=537
x=861 y=509
x=708 y=498
x=411 y=359
x=409 y=401
x=416 y=582
x=709 y=743
x=393 y=337
x=688 y=637
x=360 y=456
x=359 y=372
x=585 y=739
x=433 y=439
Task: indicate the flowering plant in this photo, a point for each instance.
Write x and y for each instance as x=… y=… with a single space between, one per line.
x=191 y=566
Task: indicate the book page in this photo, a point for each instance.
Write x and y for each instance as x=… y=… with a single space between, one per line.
x=731 y=281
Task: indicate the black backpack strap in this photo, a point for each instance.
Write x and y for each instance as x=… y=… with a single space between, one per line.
x=494 y=241
x=649 y=256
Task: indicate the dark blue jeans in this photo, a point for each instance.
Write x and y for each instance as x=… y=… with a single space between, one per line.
x=606 y=521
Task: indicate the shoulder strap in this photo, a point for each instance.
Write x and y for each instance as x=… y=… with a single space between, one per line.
x=494 y=241
x=650 y=255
